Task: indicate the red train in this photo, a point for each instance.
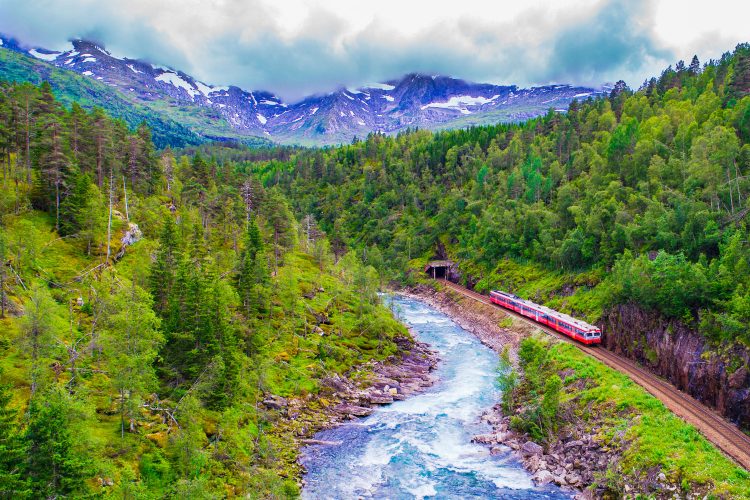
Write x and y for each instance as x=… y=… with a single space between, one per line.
x=569 y=326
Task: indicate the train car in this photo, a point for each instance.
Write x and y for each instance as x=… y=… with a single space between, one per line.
x=567 y=325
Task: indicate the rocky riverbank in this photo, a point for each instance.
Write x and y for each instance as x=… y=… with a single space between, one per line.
x=574 y=459
x=489 y=324
x=353 y=395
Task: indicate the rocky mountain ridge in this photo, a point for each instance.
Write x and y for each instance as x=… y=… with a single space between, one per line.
x=414 y=101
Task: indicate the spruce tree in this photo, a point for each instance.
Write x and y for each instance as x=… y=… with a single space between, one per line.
x=11 y=447
x=53 y=467
x=162 y=276
x=252 y=271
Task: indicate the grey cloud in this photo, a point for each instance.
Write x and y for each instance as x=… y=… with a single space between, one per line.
x=240 y=42
x=617 y=38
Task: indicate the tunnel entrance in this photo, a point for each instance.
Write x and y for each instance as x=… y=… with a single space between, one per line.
x=438 y=269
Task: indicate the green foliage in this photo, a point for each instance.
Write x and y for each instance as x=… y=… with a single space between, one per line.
x=131 y=340
x=538 y=388
x=54 y=466
x=654 y=436
x=151 y=304
x=651 y=182
x=11 y=446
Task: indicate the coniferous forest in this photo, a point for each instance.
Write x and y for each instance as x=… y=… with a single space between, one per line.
x=149 y=305
x=152 y=300
x=641 y=197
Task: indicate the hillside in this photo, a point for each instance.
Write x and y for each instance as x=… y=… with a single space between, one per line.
x=156 y=316
x=628 y=210
x=171 y=125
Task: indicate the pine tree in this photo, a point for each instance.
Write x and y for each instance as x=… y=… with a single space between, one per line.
x=3 y=256
x=252 y=273
x=73 y=204
x=50 y=155
x=40 y=324
x=131 y=341
x=53 y=467
x=281 y=222
x=26 y=102
x=695 y=66
x=11 y=447
x=162 y=276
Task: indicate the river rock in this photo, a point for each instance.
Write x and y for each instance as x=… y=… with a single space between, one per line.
x=543 y=477
x=275 y=402
x=533 y=463
x=531 y=448
x=573 y=479
x=357 y=411
x=380 y=399
x=484 y=439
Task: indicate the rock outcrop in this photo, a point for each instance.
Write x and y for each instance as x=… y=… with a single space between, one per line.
x=718 y=377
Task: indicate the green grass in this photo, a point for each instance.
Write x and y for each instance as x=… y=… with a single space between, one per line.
x=579 y=294
x=659 y=438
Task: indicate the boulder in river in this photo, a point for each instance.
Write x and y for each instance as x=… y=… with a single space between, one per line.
x=357 y=411
x=531 y=448
x=543 y=477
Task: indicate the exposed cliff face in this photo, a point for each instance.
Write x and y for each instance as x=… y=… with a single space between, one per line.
x=717 y=377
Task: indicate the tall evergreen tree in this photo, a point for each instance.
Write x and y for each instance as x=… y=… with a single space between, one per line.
x=131 y=342
x=164 y=268
x=53 y=466
x=12 y=484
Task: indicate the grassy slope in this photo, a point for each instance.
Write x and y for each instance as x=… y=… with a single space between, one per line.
x=658 y=438
x=171 y=124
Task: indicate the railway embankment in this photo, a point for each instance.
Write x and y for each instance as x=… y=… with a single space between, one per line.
x=719 y=378
x=610 y=437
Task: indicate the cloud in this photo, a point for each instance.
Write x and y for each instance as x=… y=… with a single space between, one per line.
x=618 y=39
x=251 y=44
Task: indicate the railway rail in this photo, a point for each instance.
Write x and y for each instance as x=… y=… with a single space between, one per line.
x=725 y=435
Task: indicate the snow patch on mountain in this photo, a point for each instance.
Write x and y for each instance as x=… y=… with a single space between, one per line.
x=44 y=56
x=177 y=81
x=460 y=102
x=379 y=86
x=203 y=88
x=262 y=119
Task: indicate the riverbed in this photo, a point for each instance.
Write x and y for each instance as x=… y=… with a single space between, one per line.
x=421 y=447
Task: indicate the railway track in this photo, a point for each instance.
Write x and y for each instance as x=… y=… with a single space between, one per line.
x=715 y=428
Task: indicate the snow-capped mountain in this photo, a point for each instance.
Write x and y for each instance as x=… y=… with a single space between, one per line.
x=413 y=101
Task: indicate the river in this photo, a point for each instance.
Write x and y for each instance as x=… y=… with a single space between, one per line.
x=421 y=447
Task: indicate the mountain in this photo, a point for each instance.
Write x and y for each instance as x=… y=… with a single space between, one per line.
x=210 y=112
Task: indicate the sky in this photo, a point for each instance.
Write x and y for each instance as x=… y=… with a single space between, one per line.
x=298 y=47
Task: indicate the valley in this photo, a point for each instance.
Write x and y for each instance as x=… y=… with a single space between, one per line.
x=208 y=291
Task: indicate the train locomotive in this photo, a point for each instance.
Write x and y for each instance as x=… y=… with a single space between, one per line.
x=562 y=323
